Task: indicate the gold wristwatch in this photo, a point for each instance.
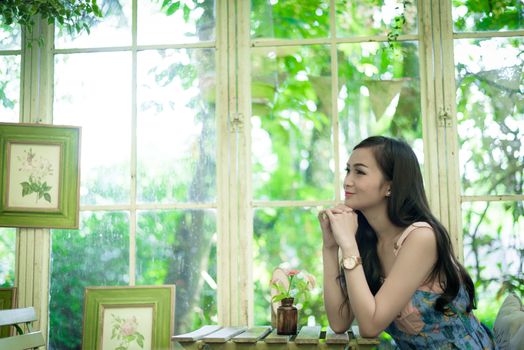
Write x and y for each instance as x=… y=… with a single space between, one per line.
x=351 y=262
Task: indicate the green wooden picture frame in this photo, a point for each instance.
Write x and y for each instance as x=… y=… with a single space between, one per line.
x=40 y=175
x=116 y=317
x=7 y=301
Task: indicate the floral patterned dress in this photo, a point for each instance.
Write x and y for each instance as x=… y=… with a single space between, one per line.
x=420 y=326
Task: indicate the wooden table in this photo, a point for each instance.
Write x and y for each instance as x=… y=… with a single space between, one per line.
x=266 y=338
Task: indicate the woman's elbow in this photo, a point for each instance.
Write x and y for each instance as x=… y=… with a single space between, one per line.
x=339 y=329
x=369 y=332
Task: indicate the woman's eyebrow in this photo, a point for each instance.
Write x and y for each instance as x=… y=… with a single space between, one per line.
x=358 y=164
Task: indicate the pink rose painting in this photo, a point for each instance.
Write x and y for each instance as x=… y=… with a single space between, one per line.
x=125 y=331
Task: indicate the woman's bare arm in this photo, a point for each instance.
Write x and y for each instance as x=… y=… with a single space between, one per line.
x=339 y=318
x=411 y=268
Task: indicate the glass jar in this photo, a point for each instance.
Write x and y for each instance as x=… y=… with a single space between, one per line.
x=287 y=316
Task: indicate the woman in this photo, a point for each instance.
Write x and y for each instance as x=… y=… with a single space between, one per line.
x=398 y=273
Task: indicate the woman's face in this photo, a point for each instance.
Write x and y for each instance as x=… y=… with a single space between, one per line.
x=364 y=185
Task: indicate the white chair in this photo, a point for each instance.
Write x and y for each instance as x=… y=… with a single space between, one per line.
x=27 y=339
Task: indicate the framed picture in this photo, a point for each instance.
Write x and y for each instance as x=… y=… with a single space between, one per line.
x=7 y=301
x=40 y=175
x=140 y=317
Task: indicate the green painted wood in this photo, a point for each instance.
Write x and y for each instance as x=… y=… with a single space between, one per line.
x=252 y=335
x=22 y=342
x=362 y=340
x=274 y=338
x=196 y=335
x=223 y=335
x=334 y=338
x=13 y=316
x=308 y=335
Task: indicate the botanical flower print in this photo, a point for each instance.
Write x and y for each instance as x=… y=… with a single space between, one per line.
x=37 y=169
x=124 y=330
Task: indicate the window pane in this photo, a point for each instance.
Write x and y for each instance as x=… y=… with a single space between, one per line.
x=95 y=255
x=291 y=123
x=289 y=19
x=179 y=247
x=10 y=37
x=7 y=257
x=113 y=29
x=288 y=236
x=9 y=88
x=488 y=15
x=379 y=94
x=372 y=17
x=104 y=113
x=176 y=126
x=177 y=22
x=490 y=113
x=494 y=252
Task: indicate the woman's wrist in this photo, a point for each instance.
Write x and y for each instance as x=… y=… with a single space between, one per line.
x=350 y=247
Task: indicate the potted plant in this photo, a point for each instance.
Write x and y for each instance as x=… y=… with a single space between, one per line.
x=289 y=287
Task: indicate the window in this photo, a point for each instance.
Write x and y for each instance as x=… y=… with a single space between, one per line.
x=319 y=87
x=145 y=100
x=10 y=53
x=488 y=45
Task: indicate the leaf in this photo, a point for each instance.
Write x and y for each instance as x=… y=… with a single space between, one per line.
x=173 y=8
x=165 y=3
x=47 y=197
x=140 y=340
x=26 y=189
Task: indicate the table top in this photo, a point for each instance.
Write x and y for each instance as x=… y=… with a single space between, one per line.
x=310 y=335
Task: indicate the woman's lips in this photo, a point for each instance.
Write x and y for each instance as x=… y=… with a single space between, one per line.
x=349 y=194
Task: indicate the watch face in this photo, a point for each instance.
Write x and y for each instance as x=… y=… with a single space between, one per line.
x=349 y=263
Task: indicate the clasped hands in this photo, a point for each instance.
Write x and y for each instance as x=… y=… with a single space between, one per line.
x=339 y=226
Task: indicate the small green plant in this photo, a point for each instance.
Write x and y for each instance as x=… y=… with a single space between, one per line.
x=298 y=284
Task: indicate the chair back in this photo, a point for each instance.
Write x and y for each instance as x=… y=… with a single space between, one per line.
x=20 y=319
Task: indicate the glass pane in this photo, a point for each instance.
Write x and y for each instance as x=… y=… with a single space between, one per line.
x=372 y=17
x=7 y=257
x=179 y=247
x=289 y=236
x=113 y=29
x=9 y=88
x=104 y=113
x=488 y=15
x=176 y=126
x=10 y=37
x=176 y=22
x=291 y=123
x=289 y=19
x=494 y=252
x=490 y=113
x=95 y=255
x=379 y=94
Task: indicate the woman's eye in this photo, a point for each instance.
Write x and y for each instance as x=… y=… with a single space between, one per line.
x=360 y=172
x=347 y=170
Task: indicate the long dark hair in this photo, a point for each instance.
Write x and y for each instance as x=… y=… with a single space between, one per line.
x=408 y=204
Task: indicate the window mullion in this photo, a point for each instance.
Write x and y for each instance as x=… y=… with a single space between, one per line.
x=450 y=124
x=244 y=278
x=33 y=245
x=223 y=165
